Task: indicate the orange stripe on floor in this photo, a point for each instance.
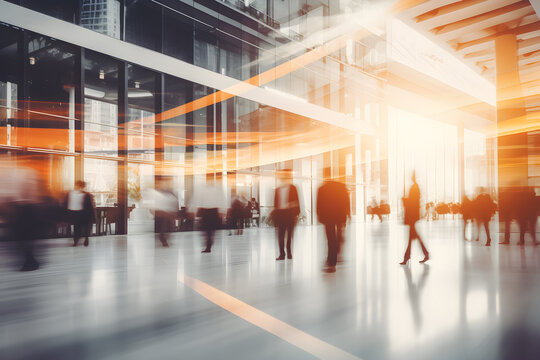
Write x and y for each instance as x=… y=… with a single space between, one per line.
x=284 y=331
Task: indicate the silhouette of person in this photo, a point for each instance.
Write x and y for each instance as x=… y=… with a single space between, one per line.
x=80 y=208
x=238 y=213
x=333 y=210
x=527 y=215
x=285 y=213
x=467 y=212
x=412 y=215
x=211 y=205
x=166 y=210
x=484 y=209
x=508 y=209
x=20 y=198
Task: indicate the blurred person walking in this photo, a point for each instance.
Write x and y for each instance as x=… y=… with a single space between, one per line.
x=166 y=210
x=285 y=213
x=467 y=213
x=412 y=215
x=211 y=205
x=81 y=212
x=527 y=214
x=239 y=205
x=484 y=209
x=508 y=210
x=333 y=210
x=20 y=199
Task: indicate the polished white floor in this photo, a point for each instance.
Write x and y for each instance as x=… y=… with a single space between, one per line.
x=123 y=297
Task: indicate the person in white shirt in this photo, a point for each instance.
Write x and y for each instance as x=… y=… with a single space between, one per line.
x=80 y=209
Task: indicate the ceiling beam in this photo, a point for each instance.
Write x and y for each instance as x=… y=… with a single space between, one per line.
x=447 y=9
x=443 y=29
x=529 y=42
x=404 y=5
x=535 y=26
x=526 y=56
x=479 y=53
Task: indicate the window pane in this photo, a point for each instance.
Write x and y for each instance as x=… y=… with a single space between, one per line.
x=141 y=110
x=174 y=129
x=143 y=24
x=100 y=105
x=9 y=114
x=60 y=9
x=102 y=16
x=178 y=36
x=52 y=91
x=101 y=177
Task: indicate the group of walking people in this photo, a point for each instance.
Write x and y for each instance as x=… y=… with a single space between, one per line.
x=21 y=204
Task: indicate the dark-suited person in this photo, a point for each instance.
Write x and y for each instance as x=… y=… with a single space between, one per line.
x=527 y=214
x=333 y=210
x=467 y=213
x=412 y=215
x=20 y=201
x=80 y=208
x=211 y=206
x=484 y=209
x=285 y=213
x=508 y=208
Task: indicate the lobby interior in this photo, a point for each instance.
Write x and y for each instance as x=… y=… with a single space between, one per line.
x=126 y=94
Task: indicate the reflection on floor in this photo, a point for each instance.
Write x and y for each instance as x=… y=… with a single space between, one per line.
x=128 y=298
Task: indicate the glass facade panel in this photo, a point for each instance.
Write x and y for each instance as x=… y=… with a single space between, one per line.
x=10 y=115
x=101 y=178
x=66 y=10
x=175 y=128
x=100 y=105
x=143 y=24
x=141 y=113
x=140 y=200
x=178 y=36
x=102 y=16
x=52 y=92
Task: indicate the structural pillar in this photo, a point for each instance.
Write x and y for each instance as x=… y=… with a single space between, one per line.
x=512 y=147
x=461 y=160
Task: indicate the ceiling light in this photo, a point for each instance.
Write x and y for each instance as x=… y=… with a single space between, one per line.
x=102 y=74
x=139 y=94
x=93 y=92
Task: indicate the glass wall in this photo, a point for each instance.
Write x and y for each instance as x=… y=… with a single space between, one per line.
x=102 y=16
x=52 y=93
x=10 y=116
x=433 y=159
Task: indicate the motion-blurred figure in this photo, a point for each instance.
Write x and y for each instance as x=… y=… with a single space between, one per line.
x=211 y=206
x=333 y=210
x=20 y=198
x=467 y=213
x=166 y=210
x=255 y=212
x=81 y=212
x=412 y=215
x=484 y=209
x=239 y=206
x=285 y=213
x=527 y=214
x=508 y=208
